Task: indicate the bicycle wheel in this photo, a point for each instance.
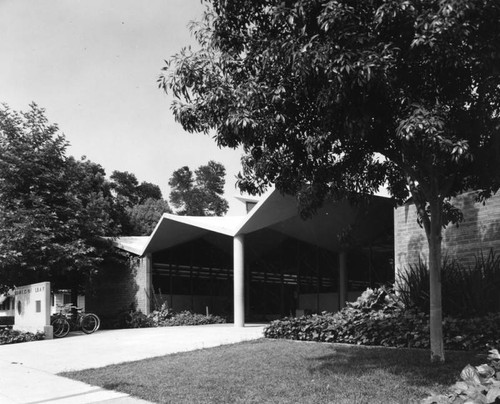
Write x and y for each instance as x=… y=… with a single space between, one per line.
x=90 y=323
x=60 y=327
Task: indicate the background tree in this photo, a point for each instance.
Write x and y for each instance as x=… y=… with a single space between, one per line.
x=127 y=187
x=336 y=98
x=199 y=194
x=54 y=210
x=145 y=216
x=139 y=204
x=147 y=190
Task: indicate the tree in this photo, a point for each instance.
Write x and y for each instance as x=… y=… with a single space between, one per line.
x=199 y=194
x=136 y=203
x=128 y=189
x=336 y=98
x=54 y=210
x=125 y=185
x=147 y=190
x=145 y=216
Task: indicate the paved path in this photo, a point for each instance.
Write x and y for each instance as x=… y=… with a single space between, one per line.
x=28 y=370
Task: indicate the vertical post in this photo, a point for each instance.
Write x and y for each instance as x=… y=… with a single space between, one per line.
x=248 y=283
x=342 y=279
x=191 y=287
x=282 y=288
x=239 y=280
x=318 y=280
x=211 y=283
x=297 y=303
x=191 y=278
x=170 y=286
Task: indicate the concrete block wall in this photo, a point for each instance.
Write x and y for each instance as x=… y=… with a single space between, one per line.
x=114 y=290
x=479 y=232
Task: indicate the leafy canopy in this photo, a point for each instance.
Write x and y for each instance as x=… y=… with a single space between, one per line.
x=145 y=216
x=54 y=210
x=141 y=205
x=339 y=97
x=128 y=189
x=199 y=194
x=343 y=96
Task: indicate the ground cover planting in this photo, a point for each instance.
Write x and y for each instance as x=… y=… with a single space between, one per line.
x=167 y=317
x=9 y=336
x=477 y=384
x=380 y=317
x=281 y=371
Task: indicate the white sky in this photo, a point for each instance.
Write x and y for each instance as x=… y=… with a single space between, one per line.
x=93 y=65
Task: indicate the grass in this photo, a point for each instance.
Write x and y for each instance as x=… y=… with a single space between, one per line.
x=281 y=371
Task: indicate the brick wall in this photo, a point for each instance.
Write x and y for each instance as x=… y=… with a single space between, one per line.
x=113 y=291
x=479 y=232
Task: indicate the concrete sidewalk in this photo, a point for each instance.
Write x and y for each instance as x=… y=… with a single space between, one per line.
x=28 y=370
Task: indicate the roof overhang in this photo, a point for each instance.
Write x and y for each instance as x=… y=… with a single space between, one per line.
x=275 y=212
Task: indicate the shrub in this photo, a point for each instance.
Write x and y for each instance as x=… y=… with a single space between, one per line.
x=137 y=319
x=466 y=291
x=479 y=384
x=378 y=317
x=166 y=317
x=9 y=336
x=188 y=318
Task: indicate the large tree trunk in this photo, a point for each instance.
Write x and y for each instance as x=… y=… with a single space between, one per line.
x=434 y=236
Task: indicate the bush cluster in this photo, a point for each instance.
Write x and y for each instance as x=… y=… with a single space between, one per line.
x=188 y=318
x=479 y=384
x=9 y=336
x=137 y=319
x=467 y=291
x=166 y=317
x=379 y=317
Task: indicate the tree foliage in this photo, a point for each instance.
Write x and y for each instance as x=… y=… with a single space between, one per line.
x=128 y=189
x=199 y=194
x=141 y=204
x=54 y=210
x=336 y=98
x=145 y=216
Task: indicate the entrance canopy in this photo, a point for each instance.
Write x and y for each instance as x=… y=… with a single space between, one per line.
x=278 y=213
x=273 y=242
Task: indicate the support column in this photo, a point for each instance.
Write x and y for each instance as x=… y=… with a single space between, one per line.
x=239 y=280
x=342 y=279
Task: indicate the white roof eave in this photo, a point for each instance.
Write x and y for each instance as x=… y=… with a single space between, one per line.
x=227 y=225
x=265 y=213
x=134 y=245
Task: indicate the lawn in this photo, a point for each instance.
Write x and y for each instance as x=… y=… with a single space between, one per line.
x=281 y=371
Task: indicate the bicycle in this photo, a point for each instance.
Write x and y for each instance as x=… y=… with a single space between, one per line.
x=64 y=321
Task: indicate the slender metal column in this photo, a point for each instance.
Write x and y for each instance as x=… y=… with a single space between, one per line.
x=342 y=279
x=239 y=280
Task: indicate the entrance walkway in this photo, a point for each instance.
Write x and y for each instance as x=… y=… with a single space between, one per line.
x=28 y=370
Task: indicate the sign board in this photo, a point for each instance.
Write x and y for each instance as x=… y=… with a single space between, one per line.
x=32 y=308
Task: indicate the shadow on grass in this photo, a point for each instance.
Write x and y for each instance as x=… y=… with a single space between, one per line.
x=283 y=371
x=411 y=364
